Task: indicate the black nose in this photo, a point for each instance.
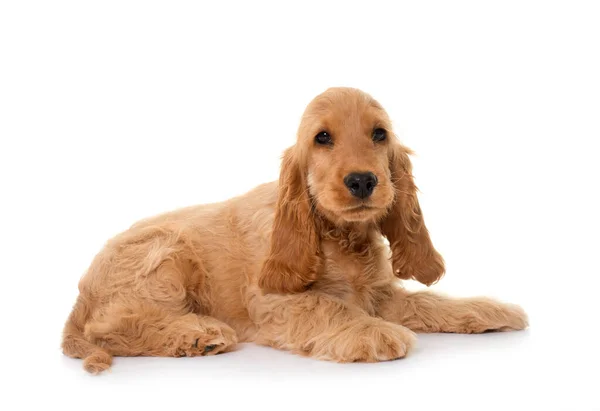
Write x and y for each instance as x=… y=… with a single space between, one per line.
x=361 y=185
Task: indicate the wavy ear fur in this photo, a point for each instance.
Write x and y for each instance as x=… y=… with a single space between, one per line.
x=413 y=254
x=293 y=261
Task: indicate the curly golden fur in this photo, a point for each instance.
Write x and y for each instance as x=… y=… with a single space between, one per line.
x=300 y=264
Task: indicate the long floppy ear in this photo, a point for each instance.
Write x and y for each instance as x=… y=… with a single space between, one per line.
x=413 y=255
x=293 y=261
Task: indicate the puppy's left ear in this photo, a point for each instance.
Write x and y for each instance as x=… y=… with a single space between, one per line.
x=413 y=254
x=293 y=261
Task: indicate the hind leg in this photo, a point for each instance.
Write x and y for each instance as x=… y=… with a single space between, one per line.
x=428 y=312
x=146 y=329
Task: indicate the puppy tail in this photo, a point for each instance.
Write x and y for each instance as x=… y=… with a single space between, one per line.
x=95 y=359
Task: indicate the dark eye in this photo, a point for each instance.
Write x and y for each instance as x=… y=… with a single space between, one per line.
x=323 y=138
x=379 y=134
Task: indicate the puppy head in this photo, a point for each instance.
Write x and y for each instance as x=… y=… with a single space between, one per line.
x=345 y=139
x=348 y=167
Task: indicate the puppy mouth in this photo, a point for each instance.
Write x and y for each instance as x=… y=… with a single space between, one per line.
x=358 y=213
x=361 y=207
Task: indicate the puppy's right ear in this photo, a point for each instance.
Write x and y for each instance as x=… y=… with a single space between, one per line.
x=293 y=260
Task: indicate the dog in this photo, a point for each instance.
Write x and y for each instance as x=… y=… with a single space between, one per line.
x=300 y=264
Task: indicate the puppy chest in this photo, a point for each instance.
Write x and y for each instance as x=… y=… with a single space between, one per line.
x=350 y=276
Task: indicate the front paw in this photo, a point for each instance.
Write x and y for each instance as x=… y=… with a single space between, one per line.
x=489 y=315
x=371 y=341
x=515 y=318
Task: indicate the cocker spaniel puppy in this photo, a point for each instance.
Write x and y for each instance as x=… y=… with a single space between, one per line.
x=300 y=264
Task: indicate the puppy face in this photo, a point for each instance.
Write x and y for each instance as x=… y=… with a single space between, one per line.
x=346 y=137
x=348 y=167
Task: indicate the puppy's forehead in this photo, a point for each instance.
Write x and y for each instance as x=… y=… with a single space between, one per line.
x=343 y=107
x=343 y=101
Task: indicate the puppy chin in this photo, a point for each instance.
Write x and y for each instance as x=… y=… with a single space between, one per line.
x=360 y=214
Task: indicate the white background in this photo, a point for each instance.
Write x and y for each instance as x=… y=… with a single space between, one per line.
x=113 y=111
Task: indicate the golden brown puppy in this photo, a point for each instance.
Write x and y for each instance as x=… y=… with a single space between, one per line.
x=299 y=265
